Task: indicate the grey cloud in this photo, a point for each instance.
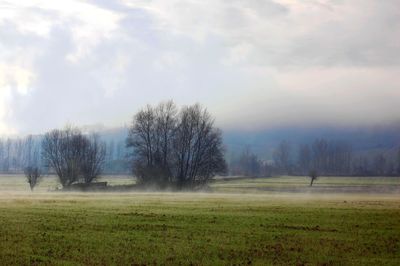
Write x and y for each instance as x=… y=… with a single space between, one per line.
x=372 y=40
x=267 y=8
x=253 y=63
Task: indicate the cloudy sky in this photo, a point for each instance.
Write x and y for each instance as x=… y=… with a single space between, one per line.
x=254 y=64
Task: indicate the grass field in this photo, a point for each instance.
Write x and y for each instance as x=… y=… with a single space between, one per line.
x=242 y=221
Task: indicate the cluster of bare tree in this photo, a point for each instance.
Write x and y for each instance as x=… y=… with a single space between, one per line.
x=248 y=164
x=325 y=157
x=332 y=158
x=73 y=156
x=116 y=159
x=282 y=158
x=381 y=164
x=172 y=147
x=19 y=153
x=321 y=157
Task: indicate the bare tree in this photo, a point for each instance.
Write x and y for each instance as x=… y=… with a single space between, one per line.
x=6 y=165
x=304 y=159
x=337 y=158
x=398 y=162
x=2 y=155
x=380 y=164
x=282 y=157
x=320 y=155
x=28 y=150
x=33 y=175
x=390 y=168
x=166 y=123
x=143 y=140
x=92 y=163
x=248 y=164
x=72 y=155
x=61 y=152
x=198 y=147
x=361 y=166
x=313 y=174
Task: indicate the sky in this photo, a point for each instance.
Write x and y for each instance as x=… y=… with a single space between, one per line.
x=254 y=64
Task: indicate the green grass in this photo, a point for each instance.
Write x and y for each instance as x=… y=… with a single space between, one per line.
x=304 y=181
x=56 y=228
x=301 y=184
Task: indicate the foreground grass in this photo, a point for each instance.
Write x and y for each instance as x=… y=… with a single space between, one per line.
x=198 y=228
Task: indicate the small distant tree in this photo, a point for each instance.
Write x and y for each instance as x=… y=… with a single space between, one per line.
x=313 y=176
x=33 y=176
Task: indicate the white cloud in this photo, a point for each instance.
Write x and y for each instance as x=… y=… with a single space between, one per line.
x=12 y=77
x=88 y=23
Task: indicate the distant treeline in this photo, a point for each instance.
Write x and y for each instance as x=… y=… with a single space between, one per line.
x=18 y=153
x=326 y=157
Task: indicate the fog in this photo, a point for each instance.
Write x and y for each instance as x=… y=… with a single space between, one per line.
x=255 y=64
x=201 y=132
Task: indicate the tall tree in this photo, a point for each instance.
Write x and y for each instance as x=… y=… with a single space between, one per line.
x=398 y=161
x=198 y=147
x=94 y=153
x=380 y=164
x=247 y=164
x=281 y=156
x=320 y=155
x=144 y=141
x=7 y=159
x=304 y=159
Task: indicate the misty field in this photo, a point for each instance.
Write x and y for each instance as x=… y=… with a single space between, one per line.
x=276 y=221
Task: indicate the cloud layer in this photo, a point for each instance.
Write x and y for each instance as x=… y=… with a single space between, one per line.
x=254 y=64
